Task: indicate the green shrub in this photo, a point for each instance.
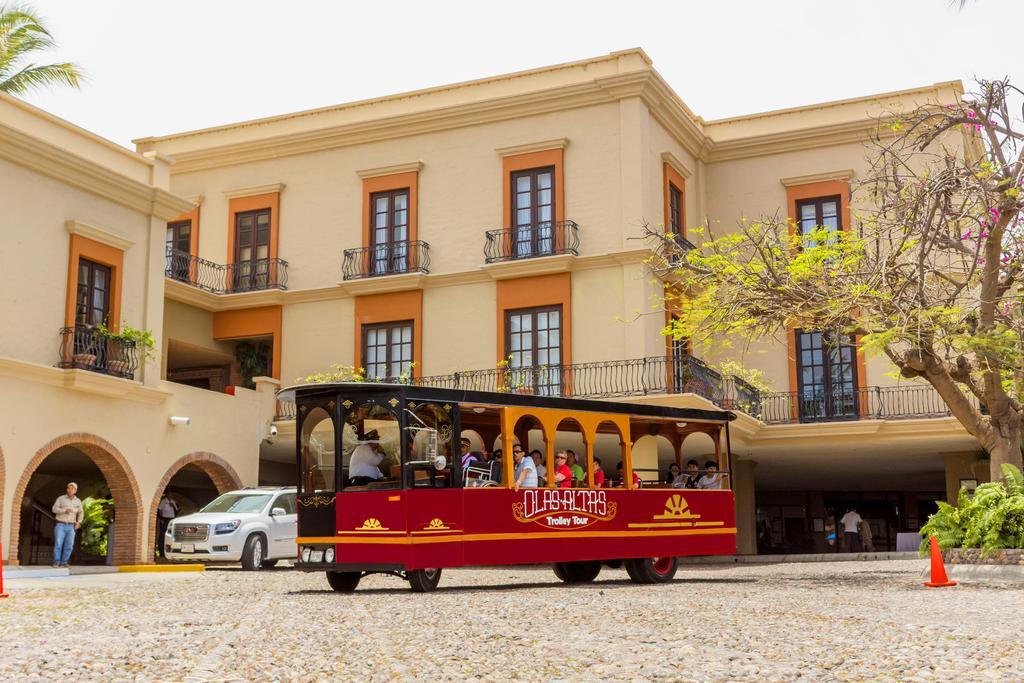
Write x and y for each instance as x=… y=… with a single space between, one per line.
x=97 y=514
x=992 y=519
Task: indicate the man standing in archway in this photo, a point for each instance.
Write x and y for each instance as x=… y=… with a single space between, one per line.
x=68 y=509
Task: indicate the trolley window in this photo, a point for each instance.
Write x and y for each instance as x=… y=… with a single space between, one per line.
x=318 y=452
x=370 y=446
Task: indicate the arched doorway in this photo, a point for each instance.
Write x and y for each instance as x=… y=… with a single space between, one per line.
x=192 y=482
x=101 y=473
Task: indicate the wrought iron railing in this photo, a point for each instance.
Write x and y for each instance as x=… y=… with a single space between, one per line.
x=686 y=374
x=863 y=403
x=218 y=278
x=531 y=241
x=605 y=379
x=85 y=348
x=392 y=258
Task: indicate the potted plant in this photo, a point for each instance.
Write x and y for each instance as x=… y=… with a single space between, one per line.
x=118 y=360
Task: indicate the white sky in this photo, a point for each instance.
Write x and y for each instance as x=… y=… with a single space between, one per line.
x=163 y=66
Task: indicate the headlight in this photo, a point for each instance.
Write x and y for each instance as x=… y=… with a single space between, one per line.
x=227 y=527
x=170 y=530
x=329 y=555
x=305 y=554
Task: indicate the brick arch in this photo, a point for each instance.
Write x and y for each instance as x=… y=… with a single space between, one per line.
x=120 y=480
x=219 y=470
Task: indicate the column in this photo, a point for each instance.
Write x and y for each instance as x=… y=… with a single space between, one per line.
x=746 y=512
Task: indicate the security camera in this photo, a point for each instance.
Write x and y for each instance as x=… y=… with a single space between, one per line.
x=273 y=431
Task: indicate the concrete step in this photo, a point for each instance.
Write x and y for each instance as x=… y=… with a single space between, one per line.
x=813 y=557
x=44 y=572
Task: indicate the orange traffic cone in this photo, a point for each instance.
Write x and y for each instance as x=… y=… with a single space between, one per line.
x=2 y=594
x=939 y=578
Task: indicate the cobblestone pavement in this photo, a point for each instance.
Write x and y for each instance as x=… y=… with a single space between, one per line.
x=817 y=622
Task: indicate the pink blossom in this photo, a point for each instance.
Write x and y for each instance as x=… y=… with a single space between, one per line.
x=978 y=127
x=981 y=262
x=983 y=234
x=971 y=115
x=995 y=212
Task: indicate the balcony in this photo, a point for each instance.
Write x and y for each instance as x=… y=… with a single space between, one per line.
x=84 y=348
x=248 y=276
x=393 y=258
x=863 y=403
x=532 y=241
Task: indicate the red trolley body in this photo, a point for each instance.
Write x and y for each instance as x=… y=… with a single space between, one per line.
x=397 y=507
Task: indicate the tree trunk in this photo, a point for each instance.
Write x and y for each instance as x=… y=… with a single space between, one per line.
x=1003 y=444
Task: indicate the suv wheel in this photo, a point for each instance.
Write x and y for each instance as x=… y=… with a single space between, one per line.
x=253 y=554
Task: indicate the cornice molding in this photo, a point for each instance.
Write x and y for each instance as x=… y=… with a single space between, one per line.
x=411 y=167
x=196 y=199
x=57 y=163
x=559 y=98
x=527 y=148
x=253 y=190
x=673 y=161
x=82 y=380
x=845 y=174
x=798 y=139
x=100 y=235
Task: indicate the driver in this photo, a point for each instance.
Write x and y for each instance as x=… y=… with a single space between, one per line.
x=364 y=465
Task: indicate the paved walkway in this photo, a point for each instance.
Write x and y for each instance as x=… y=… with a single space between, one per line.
x=825 y=621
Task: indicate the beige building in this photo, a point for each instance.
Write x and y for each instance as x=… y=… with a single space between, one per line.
x=82 y=235
x=480 y=234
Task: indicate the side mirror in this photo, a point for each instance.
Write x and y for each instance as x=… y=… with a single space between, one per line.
x=278 y=512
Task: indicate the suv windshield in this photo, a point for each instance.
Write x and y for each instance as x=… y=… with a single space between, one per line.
x=238 y=502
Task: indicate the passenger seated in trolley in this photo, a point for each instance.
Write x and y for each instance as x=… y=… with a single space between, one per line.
x=526 y=471
x=364 y=465
x=563 y=475
x=711 y=480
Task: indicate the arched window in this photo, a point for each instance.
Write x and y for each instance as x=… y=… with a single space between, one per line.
x=318 y=461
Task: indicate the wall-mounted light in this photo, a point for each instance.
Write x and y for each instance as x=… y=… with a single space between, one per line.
x=178 y=420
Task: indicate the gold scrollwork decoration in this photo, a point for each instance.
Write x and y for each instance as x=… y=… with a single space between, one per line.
x=316 y=501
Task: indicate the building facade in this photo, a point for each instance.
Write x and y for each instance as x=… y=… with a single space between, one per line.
x=488 y=234
x=82 y=243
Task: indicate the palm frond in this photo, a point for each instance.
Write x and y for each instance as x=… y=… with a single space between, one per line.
x=32 y=77
x=22 y=34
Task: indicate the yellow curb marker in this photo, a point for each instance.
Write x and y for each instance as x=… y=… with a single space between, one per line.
x=161 y=568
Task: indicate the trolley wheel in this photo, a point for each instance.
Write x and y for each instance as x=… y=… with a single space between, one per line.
x=652 y=569
x=577 y=572
x=423 y=580
x=344 y=582
x=253 y=553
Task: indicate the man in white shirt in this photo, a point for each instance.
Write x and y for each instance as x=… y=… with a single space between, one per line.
x=364 y=464
x=711 y=479
x=851 y=530
x=69 y=512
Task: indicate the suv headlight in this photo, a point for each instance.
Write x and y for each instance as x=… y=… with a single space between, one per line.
x=227 y=527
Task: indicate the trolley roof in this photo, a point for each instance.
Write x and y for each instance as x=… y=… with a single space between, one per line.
x=494 y=398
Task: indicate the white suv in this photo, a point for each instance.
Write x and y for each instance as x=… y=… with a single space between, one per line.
x=254 y=526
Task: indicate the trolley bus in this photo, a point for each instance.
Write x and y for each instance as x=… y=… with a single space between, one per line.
x=385 y=488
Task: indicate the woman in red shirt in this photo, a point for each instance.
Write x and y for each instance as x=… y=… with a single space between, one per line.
x=598 y=474
x=563 y=475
